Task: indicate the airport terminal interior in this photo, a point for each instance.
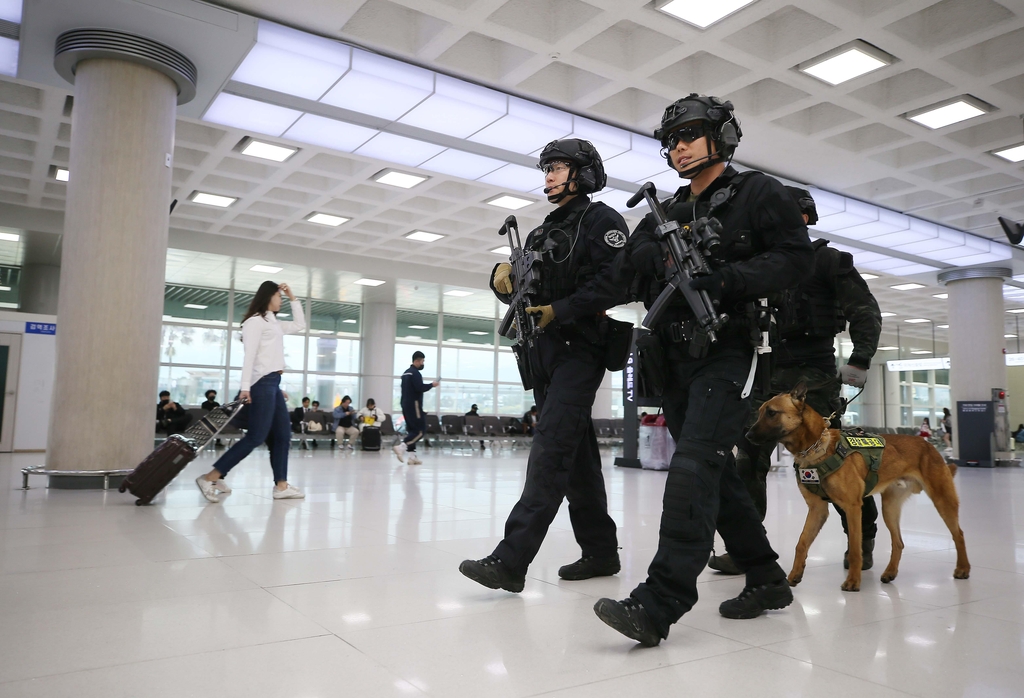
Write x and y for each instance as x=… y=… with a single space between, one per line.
x=161 y=160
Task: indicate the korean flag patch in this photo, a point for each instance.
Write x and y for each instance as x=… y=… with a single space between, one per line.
x=809 y=475
x=615 y=238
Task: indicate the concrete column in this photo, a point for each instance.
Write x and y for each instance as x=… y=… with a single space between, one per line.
x=40 y=287
x=891 y=388
x=871 y=400
x=603 y=400
x=976 y=343
x=115 y=249
x=378 y=351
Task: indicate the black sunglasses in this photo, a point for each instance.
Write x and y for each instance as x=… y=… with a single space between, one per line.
x=686 y=134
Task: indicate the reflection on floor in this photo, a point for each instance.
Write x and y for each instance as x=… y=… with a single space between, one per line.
x=355 y=592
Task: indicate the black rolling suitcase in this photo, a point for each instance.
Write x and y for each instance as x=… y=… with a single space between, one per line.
x=161 y=466
x=370 y=436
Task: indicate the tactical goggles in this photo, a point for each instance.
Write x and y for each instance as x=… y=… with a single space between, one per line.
x=687 y=134
x=554 y=166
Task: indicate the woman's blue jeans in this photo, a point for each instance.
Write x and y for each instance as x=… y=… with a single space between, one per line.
x=268 y=421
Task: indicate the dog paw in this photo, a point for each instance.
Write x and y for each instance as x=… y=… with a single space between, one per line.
x=794 y=579
x=850 y=586
x=961 y=574
x=886 y=578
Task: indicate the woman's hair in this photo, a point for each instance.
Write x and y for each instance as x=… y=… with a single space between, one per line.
x=925 y=421
x=945 y=412
x=261 y=301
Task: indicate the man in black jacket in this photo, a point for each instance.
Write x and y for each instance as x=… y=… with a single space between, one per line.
x=579 y=241
x=413 y=388
x=171 y=418
x=764 y=248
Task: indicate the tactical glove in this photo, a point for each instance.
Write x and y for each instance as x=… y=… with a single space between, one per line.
x=852 y=375
x=546 y=313
x=714 y=283
x=501 y=281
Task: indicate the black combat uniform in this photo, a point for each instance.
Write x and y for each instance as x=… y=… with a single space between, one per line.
x=808 y=317
x=568 y=367
x=764 y=249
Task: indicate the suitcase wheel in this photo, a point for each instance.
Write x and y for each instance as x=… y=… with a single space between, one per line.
x=122 y=488
x=140 y=502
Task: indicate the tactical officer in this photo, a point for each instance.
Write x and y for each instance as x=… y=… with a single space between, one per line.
x=808 y=317
x=764 y=247
x=579 y=241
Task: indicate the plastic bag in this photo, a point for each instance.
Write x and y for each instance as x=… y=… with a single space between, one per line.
x=656 y=447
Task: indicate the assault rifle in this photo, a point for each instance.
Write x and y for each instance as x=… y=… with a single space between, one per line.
x=687 y=245
x=517 y=324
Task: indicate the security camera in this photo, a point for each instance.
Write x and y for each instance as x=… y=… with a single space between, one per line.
x=1014 y=231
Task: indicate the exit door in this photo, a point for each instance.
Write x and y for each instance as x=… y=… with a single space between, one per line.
x=10 y=362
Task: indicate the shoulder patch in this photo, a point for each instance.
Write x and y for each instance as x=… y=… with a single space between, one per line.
x=615 y=238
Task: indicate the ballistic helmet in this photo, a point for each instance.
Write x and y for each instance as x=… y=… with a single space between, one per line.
x=722 y=127
x=805 y=201
x=586 y=168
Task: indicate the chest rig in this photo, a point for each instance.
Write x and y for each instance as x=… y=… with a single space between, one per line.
x=870 y=446
x=812 y=309
x=562 y=269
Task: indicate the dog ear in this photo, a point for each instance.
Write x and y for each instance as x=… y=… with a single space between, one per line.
x=799 y=392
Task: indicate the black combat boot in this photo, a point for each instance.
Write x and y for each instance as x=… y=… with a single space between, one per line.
x=589 y=566
x=753 y=601
x=868 y=555
x=724 y=564
x=629 y=618
x=493 y=574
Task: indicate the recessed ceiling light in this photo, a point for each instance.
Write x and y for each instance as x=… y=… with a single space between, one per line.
x=916 y=320
x=942 y=327
x=403 y=180
x=701 y=13
x=368 y=282
x=941 y=296
x=421 y=236
x=266 y=269
x=419 y=327
x=920 y=351
x=868 y=277
x=289 y=315
x=1009 y=336
x=327 y=219
x=907 y=287
x=412 y=336
x=478 y=333
x=846 y=63
x=196 y=306
x=265 y=151
x=217 y=200
x=888 y=314
x=349 y=322
x=504 y=251
x=1015 y=153
x=453 y=339
x=5 y=288
x=10 y=237
x=512 y=203
x=458 y=294
x=949 y=112
x=887 y=348
x=62 y=174
x=1016 y=310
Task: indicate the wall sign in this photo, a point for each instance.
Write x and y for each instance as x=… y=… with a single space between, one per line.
x=40 y=328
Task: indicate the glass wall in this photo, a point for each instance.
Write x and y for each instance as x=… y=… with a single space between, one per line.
x=201 y=347
x=923 y=394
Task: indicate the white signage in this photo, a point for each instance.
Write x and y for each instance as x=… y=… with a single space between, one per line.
x=930 y=364
x=1015 y=359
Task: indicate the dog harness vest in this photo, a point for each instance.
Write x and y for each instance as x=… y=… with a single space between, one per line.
x=870 y=447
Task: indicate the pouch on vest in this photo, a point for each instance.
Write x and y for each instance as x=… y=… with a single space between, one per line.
x=618 y=340
x=652 y=370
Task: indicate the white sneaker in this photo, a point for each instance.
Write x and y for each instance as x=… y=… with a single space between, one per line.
x=399 y=450
x=208 y=489
x=289 y=492
x=413 y=460
x=222 y=486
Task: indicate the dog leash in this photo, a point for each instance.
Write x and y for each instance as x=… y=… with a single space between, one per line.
x=824 y=432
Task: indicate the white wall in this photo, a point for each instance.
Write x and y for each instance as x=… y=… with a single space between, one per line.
x=35 y=380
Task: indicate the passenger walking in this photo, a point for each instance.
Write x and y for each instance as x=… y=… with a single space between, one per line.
x=263 y=342
x=413 y=388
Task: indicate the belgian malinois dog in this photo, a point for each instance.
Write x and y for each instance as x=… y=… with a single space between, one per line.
x=909 y=464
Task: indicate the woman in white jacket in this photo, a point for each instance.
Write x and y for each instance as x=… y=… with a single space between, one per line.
x=263 y=342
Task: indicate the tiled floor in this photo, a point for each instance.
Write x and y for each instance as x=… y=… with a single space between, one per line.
x=355 y=592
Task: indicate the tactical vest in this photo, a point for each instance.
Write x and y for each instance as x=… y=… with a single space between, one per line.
x=559 y=277
x=812 y=309
x=870 y=447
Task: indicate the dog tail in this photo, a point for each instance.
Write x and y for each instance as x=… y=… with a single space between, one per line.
x=952 y=469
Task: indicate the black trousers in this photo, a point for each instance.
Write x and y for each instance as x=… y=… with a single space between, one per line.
x=706 y=415
x=564 y=460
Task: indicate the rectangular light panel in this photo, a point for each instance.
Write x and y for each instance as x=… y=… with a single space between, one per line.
x=399 y=150
x=403 y=180
x=327 y=219
x=907 y=287
x=513 y=177
x=368 y=282
x=461 y=164
x=527 y=127
x=1013 y=153
x=62 y=174
x=916 y=320
x=196 y=306
x=868 y=277
x=512 y=203
x=418 y=327
x=457 y=108
x=850 y=64
x=284 y=71
x=217 y=200
x=338 y=135
x=250 y=115
x=380 y=86
x=422 y=236
x=504 y=251
x=887 y=314
x=478 y=333
x=458 y=294
x=701 y=13
x=267 y=151
x=9 y=56
x=946 y=115
x=941 y=296
x=10 y=237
